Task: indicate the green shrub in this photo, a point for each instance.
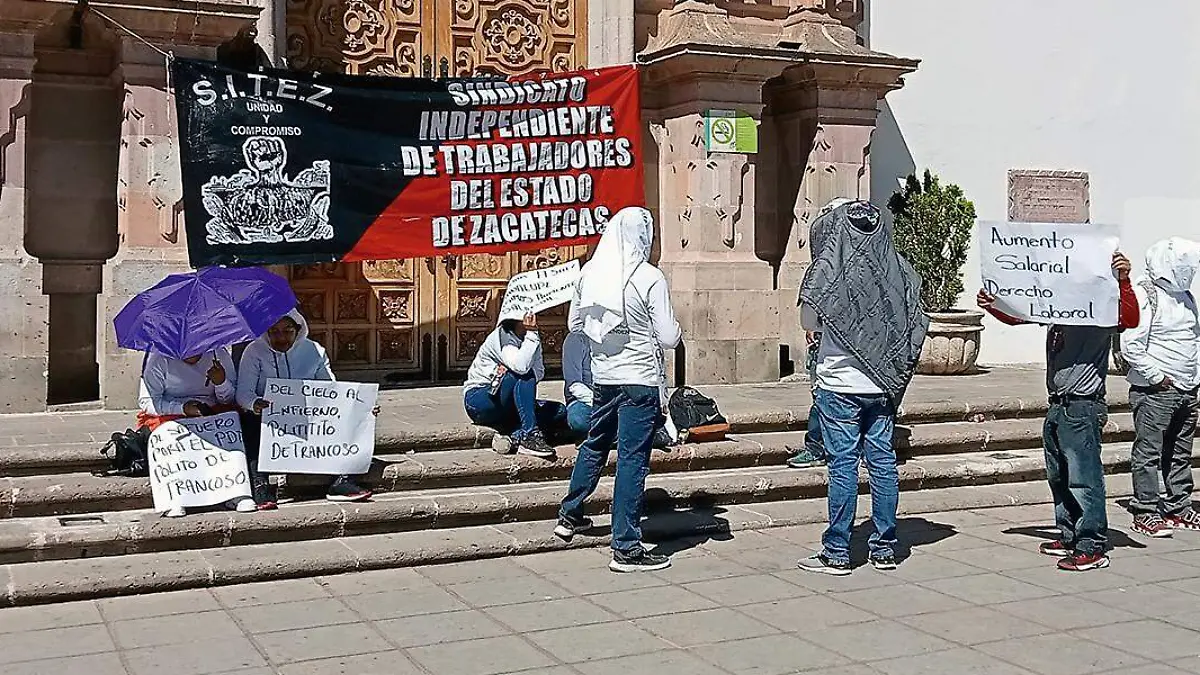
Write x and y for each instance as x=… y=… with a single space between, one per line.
x=932 y=230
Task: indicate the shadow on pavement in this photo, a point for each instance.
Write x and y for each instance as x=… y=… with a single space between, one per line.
x=1116 y=538
x=911 y=533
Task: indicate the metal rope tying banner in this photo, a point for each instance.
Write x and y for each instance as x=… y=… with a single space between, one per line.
x=283 y=167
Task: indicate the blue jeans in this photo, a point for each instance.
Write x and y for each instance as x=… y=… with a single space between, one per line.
x=514 y=409
x=579 y=415
x=1071 y=437
x=854 y=425
x=812 y=435
x=628 y=415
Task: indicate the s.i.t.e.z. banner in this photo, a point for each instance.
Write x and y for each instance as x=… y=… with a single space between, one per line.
x=283 y=167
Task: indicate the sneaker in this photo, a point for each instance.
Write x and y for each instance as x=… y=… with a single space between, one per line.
x=1151 y=525
x=1188 y=520
x=639 y=560
x=822 y=565
x=566 y=529
x=503 y=444
x=535 y=445
x=242 y=505
x=345 y=490
x=264 y=495
x=1055 y=548
x=884 y=563
x=1083 y=562
x=175 y=512
x=805 y=459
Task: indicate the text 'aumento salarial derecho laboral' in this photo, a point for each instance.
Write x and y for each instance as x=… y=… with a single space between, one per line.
x=1051 y=273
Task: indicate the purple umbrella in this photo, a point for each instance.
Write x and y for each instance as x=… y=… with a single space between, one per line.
x=189 y=314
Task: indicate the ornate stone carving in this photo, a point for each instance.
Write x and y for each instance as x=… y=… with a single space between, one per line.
x=729 y=176
x=513 y=37
x=542 y=259
x=312 y=305
x=351 y=346
x=388 y=270
x=481 y=266
x=469 y=342
x=394 y=306
x=352 y=306
x=374 y=37
x=473 y=304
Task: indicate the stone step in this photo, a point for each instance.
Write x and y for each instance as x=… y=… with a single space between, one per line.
x=141 y=531
x=80 y=452
x=66 y=494
x=793 y=528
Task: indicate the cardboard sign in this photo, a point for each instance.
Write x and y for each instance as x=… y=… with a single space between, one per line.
x=198 y=462
x=536 y=290
x=318 y=427
x=1051 y=273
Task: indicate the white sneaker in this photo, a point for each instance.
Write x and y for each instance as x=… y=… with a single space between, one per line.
x=242 y=505
x=503 y=444
x=175 y=512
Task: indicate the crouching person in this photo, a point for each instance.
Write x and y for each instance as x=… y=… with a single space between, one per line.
x=284 y=353
x=197 y=386
x=501 y=390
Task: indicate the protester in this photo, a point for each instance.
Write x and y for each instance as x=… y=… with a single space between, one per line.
x=1163 y=377
x=197 y=386
x=623 y=306
x=577 y=378
x=813 y=452
x=501 y=390
x=285 y=352
x=1076 y=367
x=864 y=299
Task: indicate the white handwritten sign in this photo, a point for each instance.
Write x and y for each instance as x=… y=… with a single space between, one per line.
x=1051 y=273
x=318 y=427
x=198 y=462
x=531 y=292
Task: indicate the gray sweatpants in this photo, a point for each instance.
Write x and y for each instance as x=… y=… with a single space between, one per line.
x=1164 y=423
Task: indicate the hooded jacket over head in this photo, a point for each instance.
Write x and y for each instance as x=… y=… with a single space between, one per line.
x=866 y=296
x=304 y=360
x=1164 y=344
x=168 y=384
x=623 y=305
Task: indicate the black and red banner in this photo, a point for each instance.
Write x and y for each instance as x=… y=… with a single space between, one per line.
x=283 y=167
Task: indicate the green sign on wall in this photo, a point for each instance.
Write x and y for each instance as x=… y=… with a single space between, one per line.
x=730 y=131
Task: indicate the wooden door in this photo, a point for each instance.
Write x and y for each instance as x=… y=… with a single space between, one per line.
x=425 y=319
x=501 y=38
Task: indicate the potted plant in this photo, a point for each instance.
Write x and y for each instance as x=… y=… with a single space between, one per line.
x=933 y=224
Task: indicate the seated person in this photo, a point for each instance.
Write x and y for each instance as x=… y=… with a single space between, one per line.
x=197 y=386
x=501 y=390
x=285 y=353
x=577 y=376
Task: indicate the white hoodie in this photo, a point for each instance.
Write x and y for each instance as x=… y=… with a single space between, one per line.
x=623 y=305
x=168 y=384
x=305 y=360
x=501 y=347
x=1164 y=344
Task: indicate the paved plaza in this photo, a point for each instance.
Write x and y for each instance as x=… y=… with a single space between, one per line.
x=972 y=597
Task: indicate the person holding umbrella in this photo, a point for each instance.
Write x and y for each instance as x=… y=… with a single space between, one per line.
x=285 y=352
x=186 y=324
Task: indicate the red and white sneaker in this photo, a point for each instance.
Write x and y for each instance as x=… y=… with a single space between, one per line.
x=1054 y=548
x=1151 y=525
x=1188 y=520
x=1083 y=562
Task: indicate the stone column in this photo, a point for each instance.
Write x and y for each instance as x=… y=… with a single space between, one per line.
x=24 y=310
x=824 y=115
x=610 y=32
x=710 y=217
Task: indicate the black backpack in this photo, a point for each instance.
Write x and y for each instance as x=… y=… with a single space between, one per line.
x=690 y=409
x=128 y=454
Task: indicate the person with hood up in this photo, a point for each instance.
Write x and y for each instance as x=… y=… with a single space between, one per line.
x=623 y=306
x=1164 y=374
x=864 y=299
x=500 y=391
x=284 y=352
x=197 y=386
x=1076 y=369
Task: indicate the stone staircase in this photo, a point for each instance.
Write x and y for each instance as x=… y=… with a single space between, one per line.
x=441 y=495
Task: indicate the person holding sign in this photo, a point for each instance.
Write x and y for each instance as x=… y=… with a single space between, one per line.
x=198 y=386
x=864 y=299
x=1164 y=374
x=1076 y=367
x=500 y=392
x=284 y=353
x=623 y=306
